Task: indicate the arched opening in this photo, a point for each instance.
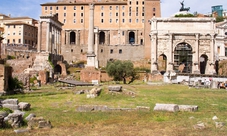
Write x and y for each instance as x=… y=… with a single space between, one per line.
x=72 y=37
x=57 y=69
x=102 y=38
x=162 y=63
x=131 y=37
x=203 y=63
x=183 y=58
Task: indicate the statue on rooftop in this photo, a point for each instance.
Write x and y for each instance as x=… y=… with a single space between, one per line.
x=182 y=7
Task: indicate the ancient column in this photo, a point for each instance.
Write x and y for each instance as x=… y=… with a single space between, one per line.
x=90 y=52
x=39 y=36
x=170 y=54
x=195 y=62
x=212 y=59
x=154 y=68
x=96 y=49
x=47 y=36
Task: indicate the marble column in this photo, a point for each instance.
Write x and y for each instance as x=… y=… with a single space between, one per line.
x=90 y=52
x=212 y=57
x=195 y=62
x=47 y=36
x=39 y=36
x=170 y=54
x=154 y=68
x=96 y=49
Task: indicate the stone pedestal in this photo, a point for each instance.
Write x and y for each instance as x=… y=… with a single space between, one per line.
x=90 y=73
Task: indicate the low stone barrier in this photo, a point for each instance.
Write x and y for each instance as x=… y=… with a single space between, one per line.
x=116 y=88
x=166 y=107
x=188 y=108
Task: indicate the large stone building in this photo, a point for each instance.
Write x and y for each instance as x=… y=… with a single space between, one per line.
x=221 y=40
x=184 y=45
x=19 y=30
x=121 y=28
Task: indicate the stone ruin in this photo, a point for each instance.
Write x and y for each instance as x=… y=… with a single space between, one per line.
x=15 y=119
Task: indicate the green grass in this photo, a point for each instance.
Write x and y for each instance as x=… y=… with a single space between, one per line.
x=59 y=106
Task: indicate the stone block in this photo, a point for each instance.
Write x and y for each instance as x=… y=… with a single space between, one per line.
x=188 y=108
x=24 y=106
x=10 y=101
x=10 y=106
x=166 y=107
x=116 y=88
x=30 y=116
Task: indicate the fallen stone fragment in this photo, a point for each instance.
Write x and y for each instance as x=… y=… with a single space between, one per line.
x=219 y=124
x=21 y=131
x=45 y=124
x=10 y=106
x=15 y=120
x=116 y=88
x=215 y=118
x=166 y=107
x=24 y=106
x=10 y=101
x=30 y=116
x=199 y=126
x=190 y=108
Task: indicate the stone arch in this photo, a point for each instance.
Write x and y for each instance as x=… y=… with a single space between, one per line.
x=203 y=63
x=60 y=68
x=72 y=37
x=102 y=37
x=162 y=63
x=131 y=37
x=183 y=57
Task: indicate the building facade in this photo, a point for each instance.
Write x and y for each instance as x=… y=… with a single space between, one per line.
x=221 y=40
x=121 y=28
x=19 y=30
x=184 y=45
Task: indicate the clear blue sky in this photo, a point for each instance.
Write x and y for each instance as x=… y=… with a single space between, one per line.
x=32 y=8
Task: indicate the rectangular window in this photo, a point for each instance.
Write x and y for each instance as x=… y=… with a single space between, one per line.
x=123 y=7
x=130 y=3
x=102 y=21
x=64 y=21
x=45 y=8
x=74 y=21
x=123 y=33
x=130 y=20
x=116 y=7
x=110 y=7
x=218 y=49
x=57 y=8
x=116 y=14
x=50 y=8
x=14 y=26
x=120 y=51
x=74 y=14
x=137 y=20
x=111 y=51
x=153 y=9
x=110 y=20
x=19 y=40
x=123 y=13
x=116 y=20
x=137 y=2
x=81 y=21
x=137 y=8
x=64 y=8
x=137 y=14
x=101 y=14
x=142 y=20
x=64 y=14
x=123 y=20
x=81 y=14
x=102 y=7
x=142 y=14
x=101 y=50
x=74 y=7
x=110 y=14
x=130 y=14
x=142 y=2
x=82 y=8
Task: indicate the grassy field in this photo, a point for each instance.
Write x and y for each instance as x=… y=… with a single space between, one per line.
x=59 y=106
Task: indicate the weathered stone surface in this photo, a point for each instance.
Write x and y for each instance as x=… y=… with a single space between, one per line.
x=18 y=131
x=22 y=113
x=166 y=107
x=94 y=92
x=10 y=101
x=199 y=126
x=219 y=124
x=215 y=118
x=116 y=88
x=45 y=124
x=15 y=120
x=143 y=108
x=30 y=116
x=11 y=106
x=3 y=113
x=89 y=108
x=188 y=107
x=24 y=106
x=39 y=122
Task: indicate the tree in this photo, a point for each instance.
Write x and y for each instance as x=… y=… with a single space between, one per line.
x=121 y=70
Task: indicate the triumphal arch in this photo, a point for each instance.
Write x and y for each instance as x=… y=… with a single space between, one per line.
x=184 y=45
